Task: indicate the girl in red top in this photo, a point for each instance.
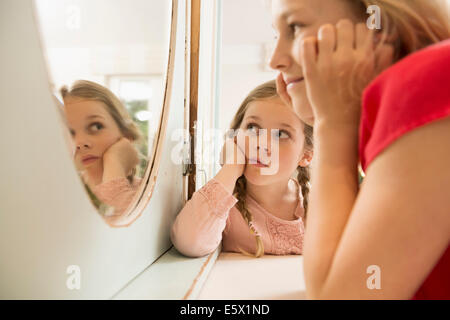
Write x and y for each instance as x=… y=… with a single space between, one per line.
x=387 y=238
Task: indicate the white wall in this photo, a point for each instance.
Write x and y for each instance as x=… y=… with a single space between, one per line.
x=246 y=30
x=85 y=39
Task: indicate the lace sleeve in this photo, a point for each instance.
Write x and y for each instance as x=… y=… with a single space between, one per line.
x=198 y=228
x=117 y=193
x=218 y=198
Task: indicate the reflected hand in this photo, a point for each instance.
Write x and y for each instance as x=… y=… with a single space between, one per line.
x=121 y=155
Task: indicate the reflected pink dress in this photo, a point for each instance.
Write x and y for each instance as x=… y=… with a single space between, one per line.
x=117 y=193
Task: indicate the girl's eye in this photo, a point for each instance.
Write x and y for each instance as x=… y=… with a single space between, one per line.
x=252 y=128
x=281 y=134
x=96 y=126
x=296 y=27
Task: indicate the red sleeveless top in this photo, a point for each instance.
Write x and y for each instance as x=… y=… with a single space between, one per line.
x=411 y=93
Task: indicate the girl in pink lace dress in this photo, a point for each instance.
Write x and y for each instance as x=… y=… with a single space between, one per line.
x=103 y=133
x=243 y=206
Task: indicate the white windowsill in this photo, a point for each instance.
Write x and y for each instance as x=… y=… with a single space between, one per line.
x=238 y=277
x=171 y=277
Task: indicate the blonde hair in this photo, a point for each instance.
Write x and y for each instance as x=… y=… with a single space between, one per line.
x=265 y=91
x=89 y=90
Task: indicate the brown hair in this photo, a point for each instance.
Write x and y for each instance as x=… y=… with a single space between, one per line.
x=266 y=90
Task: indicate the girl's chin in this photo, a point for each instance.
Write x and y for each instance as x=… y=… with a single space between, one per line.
x=88 y=166
x=302 y=109
x=92 y=167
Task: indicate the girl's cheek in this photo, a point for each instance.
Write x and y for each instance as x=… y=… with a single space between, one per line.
x=298 y=42
x=278 y=153
x=251 y=147
x=105 y=142
x=287 y=154
x=297 y=51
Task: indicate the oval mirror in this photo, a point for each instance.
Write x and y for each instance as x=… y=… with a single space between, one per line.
x=108 y=65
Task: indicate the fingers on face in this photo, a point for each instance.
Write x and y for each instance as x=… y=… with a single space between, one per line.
x=351 y=36
x=239 y=147
x=327 y=40
x=345 y=35
x=228 y=153
x=281 y=89
x=238 y=139
x=281 y=85
x=330 y=38
x=309 y=56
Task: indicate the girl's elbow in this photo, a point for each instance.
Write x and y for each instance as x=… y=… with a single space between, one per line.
x=188 y=246
x=191 y=249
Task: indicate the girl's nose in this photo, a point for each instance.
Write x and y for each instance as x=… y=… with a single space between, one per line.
x=265 y=148
x=280 y=59
x=83 y=145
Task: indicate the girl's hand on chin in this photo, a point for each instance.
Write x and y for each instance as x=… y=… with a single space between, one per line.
x=343 y=66
x=233 y=154
x=123 y=154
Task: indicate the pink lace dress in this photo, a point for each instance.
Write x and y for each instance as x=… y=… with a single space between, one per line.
x=117 y=194
x=211 y=217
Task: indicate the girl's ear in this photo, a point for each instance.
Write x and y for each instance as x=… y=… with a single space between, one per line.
x=306 y=158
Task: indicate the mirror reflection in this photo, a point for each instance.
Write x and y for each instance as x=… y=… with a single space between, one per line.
x=105 y=141
x=107 y=64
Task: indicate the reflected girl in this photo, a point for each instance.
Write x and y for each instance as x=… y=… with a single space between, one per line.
x=250 y=211
x=103 y=133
